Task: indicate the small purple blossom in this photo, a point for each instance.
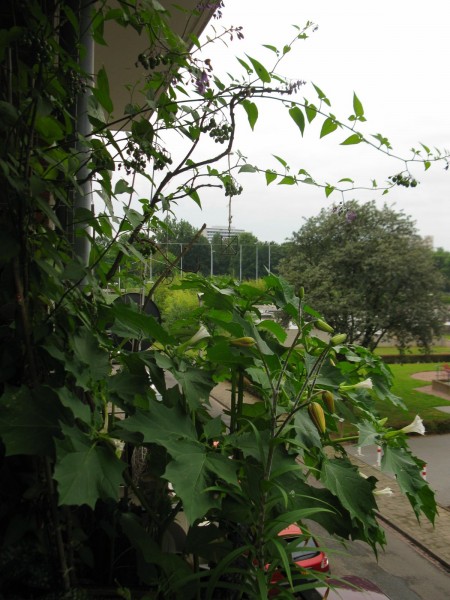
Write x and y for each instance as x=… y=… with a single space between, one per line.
x=202 y=83
x=350 y=216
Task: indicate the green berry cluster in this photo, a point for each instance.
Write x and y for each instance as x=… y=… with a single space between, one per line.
x=404 y=180
x=219 y=132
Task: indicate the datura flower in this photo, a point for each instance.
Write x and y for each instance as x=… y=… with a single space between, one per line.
x=416 y=426
x=367 y=384
x=200 y=335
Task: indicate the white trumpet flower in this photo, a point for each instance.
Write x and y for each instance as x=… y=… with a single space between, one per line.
x=416 y=426
x=367 y=384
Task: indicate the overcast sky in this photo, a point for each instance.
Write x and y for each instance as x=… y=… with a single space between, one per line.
x=395 y=56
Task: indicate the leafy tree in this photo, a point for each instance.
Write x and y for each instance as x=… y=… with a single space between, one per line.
x=441 y=260
x=91 y=431
x=369 y=272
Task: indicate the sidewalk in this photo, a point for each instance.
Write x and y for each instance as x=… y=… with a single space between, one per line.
x=394 y=510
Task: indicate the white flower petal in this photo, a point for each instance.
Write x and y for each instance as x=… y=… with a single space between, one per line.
x=416 y=426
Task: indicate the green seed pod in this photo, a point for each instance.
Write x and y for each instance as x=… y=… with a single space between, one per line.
x=301 y=293
x=317 y=416
x=323 y=326
x=328 y=400
x=339 y=338
x=244 y=342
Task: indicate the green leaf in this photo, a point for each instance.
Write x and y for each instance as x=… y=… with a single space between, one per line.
x=328 y=127
x=407 y=472
x=275 y=329
x=321 y=95
x=252 y=112
x=311 y=112
x=298 y=117
x=329 y=189
x=353 y=491
x=248 y=169
x=101 y=91
x=260 y=70
x=192 y=471
x=131 y=324
x=427 y=165
x=356 y=138
x=89 y=352
x=30 y=420
x=357 y=106
x=270 y=176
x=245 y=65
x=49 y=129
x=88 y=475
x=196 y=385
x=122 y=187
x=287 y=180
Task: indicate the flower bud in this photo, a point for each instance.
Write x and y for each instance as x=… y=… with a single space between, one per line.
x=244 y=342
x=301 y=293
x=338 y=339
x=328 y=400
x=317 y=416
x=323 y=326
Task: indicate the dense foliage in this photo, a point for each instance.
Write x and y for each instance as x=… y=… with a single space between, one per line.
x=369 y=272
x=101 y=456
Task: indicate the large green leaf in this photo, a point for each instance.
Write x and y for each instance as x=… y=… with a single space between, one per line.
x=94 y=358
x=161 y=425
x=192 y=471
x=87 y=475
x=29 y=420
x=196 y=385
x=353 y=491
x=407 y=472
x=298 y=117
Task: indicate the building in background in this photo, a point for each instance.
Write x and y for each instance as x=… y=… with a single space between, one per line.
x=223 y=230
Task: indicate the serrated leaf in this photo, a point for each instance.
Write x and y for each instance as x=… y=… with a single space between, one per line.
x=29 y=420
x=252 y=112
x=356 y=138
x=354 y=492
x=270 y=176
x=400 y=462
x=192 y=471
x=298 y=117
x=89 y=475
x=329 y=125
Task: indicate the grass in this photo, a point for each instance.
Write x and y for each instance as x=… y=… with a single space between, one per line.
x=416 y=402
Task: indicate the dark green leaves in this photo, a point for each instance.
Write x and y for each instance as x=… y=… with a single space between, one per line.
x=101 y=91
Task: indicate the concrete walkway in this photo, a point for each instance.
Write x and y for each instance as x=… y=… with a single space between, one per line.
x=394 y=510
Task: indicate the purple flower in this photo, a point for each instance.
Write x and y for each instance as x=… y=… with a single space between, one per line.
x=202 y=83
x=350 y=216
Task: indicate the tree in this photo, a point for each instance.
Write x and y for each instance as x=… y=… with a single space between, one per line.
x=441 y=260
x=369 y=272
x=91 y=434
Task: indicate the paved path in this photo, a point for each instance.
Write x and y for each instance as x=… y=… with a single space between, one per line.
x=396 y=510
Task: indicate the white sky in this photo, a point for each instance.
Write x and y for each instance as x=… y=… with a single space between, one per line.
x=395 y=55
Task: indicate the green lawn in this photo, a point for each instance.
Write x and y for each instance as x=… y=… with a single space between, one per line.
x=392 y=350
x=419 y=403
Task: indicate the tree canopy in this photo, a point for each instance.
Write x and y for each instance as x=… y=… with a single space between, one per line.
x=369 y=272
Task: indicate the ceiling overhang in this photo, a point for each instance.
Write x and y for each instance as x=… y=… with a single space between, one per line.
x=124 y=44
